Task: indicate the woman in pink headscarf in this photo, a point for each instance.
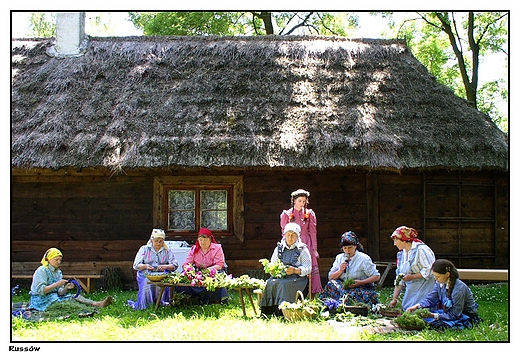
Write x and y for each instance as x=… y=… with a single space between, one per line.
x=414 y=263
x=206 y=253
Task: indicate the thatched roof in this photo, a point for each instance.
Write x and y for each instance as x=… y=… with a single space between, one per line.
x=242 y=102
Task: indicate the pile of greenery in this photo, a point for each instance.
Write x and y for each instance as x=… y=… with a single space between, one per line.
x=414 y=320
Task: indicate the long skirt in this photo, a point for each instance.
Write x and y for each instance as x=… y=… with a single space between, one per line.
x=148 y=293
x=415 y=290
x=466 y=320
x=203 y=295
x=349 y=296
x=278 y=290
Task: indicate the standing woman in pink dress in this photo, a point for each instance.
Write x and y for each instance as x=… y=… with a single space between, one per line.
x=305 y=217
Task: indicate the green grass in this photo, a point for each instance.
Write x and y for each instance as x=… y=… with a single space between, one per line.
x=119 y=323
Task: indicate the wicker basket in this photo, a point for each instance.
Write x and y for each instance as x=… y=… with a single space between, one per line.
x=156 y=276
x=300 y=313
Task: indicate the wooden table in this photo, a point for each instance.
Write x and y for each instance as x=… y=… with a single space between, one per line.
x=240 y=290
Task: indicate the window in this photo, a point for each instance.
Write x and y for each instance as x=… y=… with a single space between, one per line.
x=184 y=204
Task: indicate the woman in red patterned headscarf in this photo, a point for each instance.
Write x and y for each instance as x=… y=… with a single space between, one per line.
x=206 y=253
x=414 y=262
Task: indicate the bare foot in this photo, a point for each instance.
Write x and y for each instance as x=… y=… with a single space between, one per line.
x=106 y=302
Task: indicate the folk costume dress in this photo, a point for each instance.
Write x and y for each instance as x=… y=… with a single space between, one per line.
x=418 y=260
x=306 y=219
x=278 y=290
x=45 y=275
x=213 y=258
x=148 y=293
x=360 y=266
x=457 y=311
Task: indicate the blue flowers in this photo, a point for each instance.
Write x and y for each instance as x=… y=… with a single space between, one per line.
x=331 y=304
x=14 y=290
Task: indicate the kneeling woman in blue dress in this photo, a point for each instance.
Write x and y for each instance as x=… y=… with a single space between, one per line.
x=453 y=298
x=355 y=266
x=293 y=253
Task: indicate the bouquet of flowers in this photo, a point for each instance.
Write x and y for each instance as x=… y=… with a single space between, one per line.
x=276 y=270
x=207 y=277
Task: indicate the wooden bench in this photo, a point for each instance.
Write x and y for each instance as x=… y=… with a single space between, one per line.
x=84 y=272
x=479 y=274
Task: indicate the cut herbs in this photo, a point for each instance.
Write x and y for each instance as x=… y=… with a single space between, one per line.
x=348 y=282
x=412 y=321
x=276 y=270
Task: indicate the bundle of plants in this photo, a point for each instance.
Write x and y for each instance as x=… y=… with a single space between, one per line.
x=412 y=321
x=276 y=270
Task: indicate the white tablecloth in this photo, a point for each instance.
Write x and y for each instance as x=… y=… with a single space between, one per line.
x=181 y=253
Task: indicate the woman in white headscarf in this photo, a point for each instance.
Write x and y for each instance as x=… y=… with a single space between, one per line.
x=157 y=257
x=293 y=253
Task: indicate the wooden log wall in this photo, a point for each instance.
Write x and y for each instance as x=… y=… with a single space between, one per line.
x=95 y=216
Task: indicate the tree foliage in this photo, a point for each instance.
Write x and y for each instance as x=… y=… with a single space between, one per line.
x=42 y=24
x=452 y=46
x=244 y=23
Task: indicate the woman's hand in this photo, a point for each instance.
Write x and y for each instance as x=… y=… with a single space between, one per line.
x=147 y=267
x=292 y=270
x=392 y=303
x=410 y=277
x=413 y=308
x=163 y=268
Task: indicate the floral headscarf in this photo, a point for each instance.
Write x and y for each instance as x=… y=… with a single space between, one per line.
x=350 y=238
x=49 y=255
x=406 y=234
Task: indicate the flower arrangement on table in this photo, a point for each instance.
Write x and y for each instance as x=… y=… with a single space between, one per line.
x=276 y=270
x=211 y=279
x=198 y=276
x=244 y=281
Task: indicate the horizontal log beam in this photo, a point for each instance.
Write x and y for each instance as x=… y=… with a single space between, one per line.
x=483 y=274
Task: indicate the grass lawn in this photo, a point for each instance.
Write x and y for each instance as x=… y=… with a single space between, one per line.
x=226 y=323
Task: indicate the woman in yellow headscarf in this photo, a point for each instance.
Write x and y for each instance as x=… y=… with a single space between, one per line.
x=49 y=286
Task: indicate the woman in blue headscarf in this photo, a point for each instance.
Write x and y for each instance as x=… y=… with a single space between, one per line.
x=354 y=266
